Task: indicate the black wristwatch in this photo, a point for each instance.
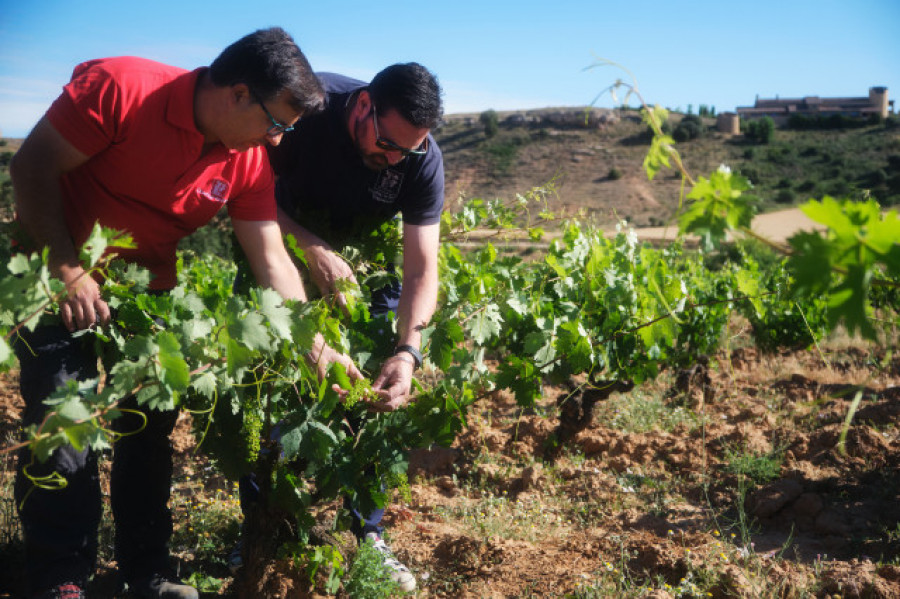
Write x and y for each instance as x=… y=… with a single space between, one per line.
x=416 y=354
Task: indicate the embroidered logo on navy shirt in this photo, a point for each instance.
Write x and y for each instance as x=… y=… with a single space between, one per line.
x=387 y=186
x=218 y=190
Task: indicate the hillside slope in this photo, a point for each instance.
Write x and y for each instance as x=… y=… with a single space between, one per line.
x=599 y=169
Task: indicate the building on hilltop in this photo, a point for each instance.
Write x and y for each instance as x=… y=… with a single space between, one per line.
x=780 y=110
x=728 y=122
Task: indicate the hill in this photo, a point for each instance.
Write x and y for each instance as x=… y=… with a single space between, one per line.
x=597 y=167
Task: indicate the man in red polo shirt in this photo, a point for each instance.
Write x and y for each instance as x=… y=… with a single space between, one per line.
x=155 y=151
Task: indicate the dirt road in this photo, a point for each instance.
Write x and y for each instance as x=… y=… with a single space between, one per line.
x=776 y=226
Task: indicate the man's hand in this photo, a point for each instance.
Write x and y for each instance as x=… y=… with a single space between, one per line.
x=393 y=383
x=323 y=354
x=326 y=267
x=84 y=307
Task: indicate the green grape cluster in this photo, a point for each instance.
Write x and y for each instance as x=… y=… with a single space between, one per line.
x=360 y=391
x=250 y=433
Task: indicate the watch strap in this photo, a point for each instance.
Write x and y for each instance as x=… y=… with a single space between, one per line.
x=415 y=353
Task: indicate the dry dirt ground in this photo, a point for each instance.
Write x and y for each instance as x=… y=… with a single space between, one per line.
x=630 y=509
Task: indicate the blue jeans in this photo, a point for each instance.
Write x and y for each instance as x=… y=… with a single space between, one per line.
x=60 y=525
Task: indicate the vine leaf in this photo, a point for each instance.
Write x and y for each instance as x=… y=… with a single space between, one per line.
x=271 y=305
x=486 y=324
x=250 y=330
x=174 y=371
x=522 y=378
x=446 y=336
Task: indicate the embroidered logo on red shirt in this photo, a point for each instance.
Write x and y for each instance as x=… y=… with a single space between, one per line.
x=218 y=190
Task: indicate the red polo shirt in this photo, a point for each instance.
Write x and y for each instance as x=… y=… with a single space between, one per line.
x=135 y=119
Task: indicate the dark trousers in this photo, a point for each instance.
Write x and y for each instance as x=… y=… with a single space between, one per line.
x=60 y=525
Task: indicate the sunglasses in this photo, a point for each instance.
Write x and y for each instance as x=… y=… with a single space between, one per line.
x=276 y=128
x=386 y=144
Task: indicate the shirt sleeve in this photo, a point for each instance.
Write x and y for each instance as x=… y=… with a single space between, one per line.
x=426 y=199
x=88 y=113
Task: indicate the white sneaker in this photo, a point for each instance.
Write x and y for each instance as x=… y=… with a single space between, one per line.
x=399 y=573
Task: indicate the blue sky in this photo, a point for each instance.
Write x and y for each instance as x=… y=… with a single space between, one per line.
x=487 y=54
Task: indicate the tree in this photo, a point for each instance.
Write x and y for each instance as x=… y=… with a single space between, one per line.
x=760 y=130
x=690 y=127
x=489 y=120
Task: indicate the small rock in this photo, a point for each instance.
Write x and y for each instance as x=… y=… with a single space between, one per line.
x=771 y=498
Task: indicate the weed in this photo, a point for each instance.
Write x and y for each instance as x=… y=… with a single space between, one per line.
x=317 y=559
x=369 y=578
x=205 y=524
x=759 y=468
x=639 y=413
x=501 y=155
x=205 y=583
x=506 y=518
x=893 y=534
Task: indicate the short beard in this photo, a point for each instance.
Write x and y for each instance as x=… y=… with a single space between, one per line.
x=375 y=162
x=372 y=161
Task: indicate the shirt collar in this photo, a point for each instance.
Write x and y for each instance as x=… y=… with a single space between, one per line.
x=180 y=111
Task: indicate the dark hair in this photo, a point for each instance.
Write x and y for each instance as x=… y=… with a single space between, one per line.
x=411 y=90
x=268 y=61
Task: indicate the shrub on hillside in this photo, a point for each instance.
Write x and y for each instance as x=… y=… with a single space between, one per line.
x=893 y=183
x=760 y=130
x=806 y=185
x=838 y=188
x=803 y=122
x=489 y=121
x=501 y=155
x=782 y=154
x=690 y=127
x=785 y=196
x=875 y=178
x=751 y=173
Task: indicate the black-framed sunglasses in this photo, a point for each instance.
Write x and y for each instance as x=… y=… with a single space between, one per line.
x=276 y=128
x=386 y=144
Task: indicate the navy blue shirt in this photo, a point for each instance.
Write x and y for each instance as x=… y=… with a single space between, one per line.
x=325 y=187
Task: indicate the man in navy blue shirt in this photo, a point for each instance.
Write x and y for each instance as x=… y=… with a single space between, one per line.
x=344 y=172
x=368 y=157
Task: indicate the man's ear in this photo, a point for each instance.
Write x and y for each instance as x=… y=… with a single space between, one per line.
x=363 y=103
x=240 y=93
